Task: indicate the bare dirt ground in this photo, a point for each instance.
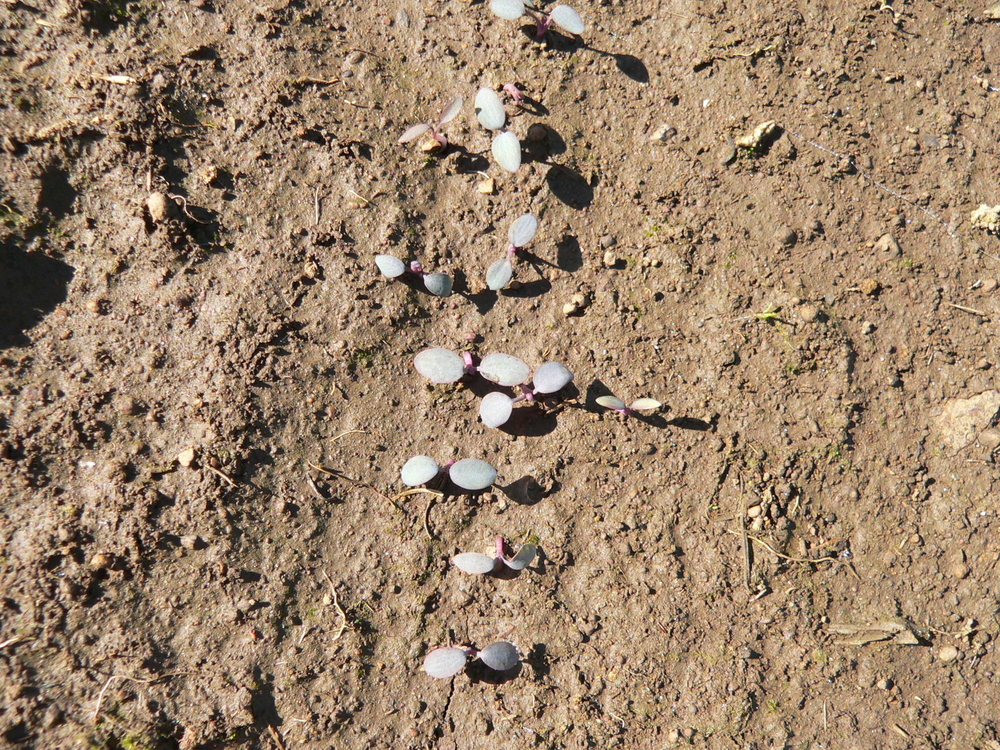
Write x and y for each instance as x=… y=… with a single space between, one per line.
x=204 y=408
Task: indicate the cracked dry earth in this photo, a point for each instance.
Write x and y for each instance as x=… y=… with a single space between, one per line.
x=207 y=390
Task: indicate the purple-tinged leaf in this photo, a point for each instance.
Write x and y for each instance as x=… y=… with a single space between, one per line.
x=500 y=656
x=522 y=231
x=495 y=409
x=474 y=563
x=419 y=470
x=413 y=133
x=523 y=558
x=440 y=365
x=611 y=402
x=504 y=369
x=438 y=284
x=489 y=109
x=508 y=9
x=450 y=112
x=551 y=377
x=499 y=274
x=567 y=19
x=390 y=265
x=642 y=404
x=507 y=151
x=472 y=474
x=442 y=663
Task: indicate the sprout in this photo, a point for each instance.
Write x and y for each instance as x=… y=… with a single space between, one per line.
x=551 y=377
x=507 y=151
x=499 y=274
x=440 y=365
x=419 y=470
x=474 y=563
x=640 y=404
x=449 y=113
x=489 y=109
x=562 y=15
x=472 y=474
x=500 y=656
x=392 y=267
x=521 y=232
x=446 y=662
x=495 y=409
x=513 y=92
x=504 y=369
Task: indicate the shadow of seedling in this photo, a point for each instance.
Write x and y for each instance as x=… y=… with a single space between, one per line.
x=524 y=491
x=630 y=65
x=479 y=672
x=569 y=186
x=569 y=254
x=693 y=423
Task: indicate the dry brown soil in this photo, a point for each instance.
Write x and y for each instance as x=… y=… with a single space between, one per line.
x=798 y=550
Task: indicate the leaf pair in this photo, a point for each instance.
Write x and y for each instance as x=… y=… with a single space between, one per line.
x=470 y=473
x=521 y=232
x=475 y=563
x=449 y=113
x=444 y=663
x=640 y=404
x=562 y=15
x=438 y=284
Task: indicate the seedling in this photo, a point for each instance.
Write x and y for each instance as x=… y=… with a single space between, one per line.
x=446 y=662
x=495 y=408
x=438 y=284
x=469 y=474
x=562 y=16
x=475 y=563
x=439 y=140
x=521 y=232
x=640 y=404
x=514 y=93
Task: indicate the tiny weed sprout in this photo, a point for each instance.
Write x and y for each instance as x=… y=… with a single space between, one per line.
x=562 y=16
x=500 y=656
x=472 y=474
x=506 y=150
x=443 y=365
x=489 y=110
x=444 y=663
x=640 y=404
x=521 y=232
x=437 y=139
x=474 y=563
x=391 y=267
x=419 y=470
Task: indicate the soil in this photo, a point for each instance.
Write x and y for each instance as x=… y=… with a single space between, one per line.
x=207 y=390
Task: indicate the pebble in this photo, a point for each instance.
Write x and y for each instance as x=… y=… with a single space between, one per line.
x=809 y=313
x=869 y=287
x=867 y=327
x=158 y=206
x=537 y=133
x=786 y=236
x=982 y=364
x=608 y=241
x=186 y=457
x=662 y=134
x=190 y=541
x=887 y=244
x=610 y=259
x=101 y=561
x=948 y=654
